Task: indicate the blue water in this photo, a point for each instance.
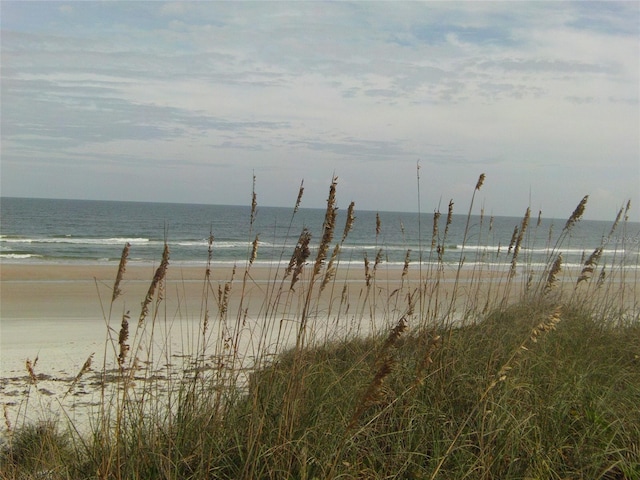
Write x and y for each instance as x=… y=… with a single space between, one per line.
x=83 y=231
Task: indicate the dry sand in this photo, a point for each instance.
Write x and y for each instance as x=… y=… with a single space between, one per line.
x=60 y=315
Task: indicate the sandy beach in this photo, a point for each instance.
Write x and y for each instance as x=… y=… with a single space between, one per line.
x=63 y=314
x=60 y=313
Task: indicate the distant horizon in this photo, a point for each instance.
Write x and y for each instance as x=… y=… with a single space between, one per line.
x=457 y=212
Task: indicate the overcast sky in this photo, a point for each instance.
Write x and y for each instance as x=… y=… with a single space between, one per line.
x=183 y=102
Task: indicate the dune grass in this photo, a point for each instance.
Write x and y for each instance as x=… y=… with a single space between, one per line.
x=491 y=377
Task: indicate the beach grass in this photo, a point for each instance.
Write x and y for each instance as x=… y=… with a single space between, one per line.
x=476 y=372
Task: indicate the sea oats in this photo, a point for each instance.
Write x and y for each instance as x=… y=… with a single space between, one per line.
x=85 y=367
x=30 y=370
x=545 y=326
x=207 y=272
x=123 y=336
x=327 y=228
x=385 y=363
x=223 y=294
x=514 y=237
x=615 y=223
x=378 y=224
x=590 y=265
x=394 y=335
x=450 y=213
x=516 y=248
x=553 y=274
x=433 y=342
x=254 y=202
x=626 y=210
x=7 y=422
x=577 y=213
x=440 y=249
x=121 y=269
x=480 y=181
x=377 y=261
x=405 y=267
x=299 y=199
x=348 y=224
x=158 y=278
x=331 y=270
x=300 y=255
x=372 y=393
x=434 y=234
x=254 y=250
x=367 y=274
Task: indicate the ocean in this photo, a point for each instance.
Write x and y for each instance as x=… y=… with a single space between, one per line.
x=46 y=231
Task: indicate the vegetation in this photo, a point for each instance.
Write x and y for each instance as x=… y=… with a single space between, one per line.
x=481 y=377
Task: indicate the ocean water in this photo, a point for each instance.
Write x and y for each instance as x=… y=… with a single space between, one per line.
x=91 y=232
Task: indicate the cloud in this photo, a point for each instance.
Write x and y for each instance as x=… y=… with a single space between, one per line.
x=312 y=87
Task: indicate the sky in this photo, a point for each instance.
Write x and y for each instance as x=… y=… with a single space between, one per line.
x=186 y=102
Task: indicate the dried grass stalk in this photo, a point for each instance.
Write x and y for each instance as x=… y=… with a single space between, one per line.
x=394 y=335
x=159 y=276
x=31 y=370
x=480 y=181
x=367 y=274
x=123 y=336
x=590 y=265
x=254 y=250
x=552 y=278
x=514 y=237
x=385 y=367
x=577 y=214
x=121 y=269
x=626 y=210
x=223 y=294
x=405 y=267
x=300 y=255
x=372 y=393
x=348 y=224
x=254 y=202
x=432 y=343
x=328 y=228
x=209 y=255
x=377 y=261
x=615 y=223
x=434 y=234
x=449 y=216
x=7 y=421
x=545 y=326
x=516 y=248
x=331 y=270
x=85 y=368
x=299 y=199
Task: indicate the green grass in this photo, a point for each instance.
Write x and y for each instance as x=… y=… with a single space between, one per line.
x=543 y=386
